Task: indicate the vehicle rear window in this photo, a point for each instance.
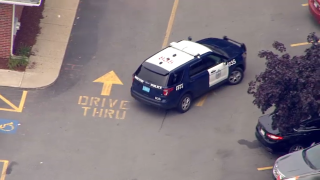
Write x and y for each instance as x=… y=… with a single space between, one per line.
x=152 y=77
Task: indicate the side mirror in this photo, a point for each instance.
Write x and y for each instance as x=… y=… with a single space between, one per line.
x=189 y=38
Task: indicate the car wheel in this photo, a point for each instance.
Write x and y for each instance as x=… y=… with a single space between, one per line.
x=184 y=103
x=296 y=147
x=236 y=76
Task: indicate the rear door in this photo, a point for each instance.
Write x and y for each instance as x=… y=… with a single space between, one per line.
x=149 y=83
x=307 y=133
x=198 y=78
x=313 y=128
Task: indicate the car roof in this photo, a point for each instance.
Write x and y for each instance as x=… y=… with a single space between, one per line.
x=177 y=54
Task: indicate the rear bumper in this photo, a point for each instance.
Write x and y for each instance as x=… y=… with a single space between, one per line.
x=164 y=104
x=263 y=143
x=315 y=12
x=272 y=147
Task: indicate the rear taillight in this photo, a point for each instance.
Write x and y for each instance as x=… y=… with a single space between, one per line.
x=167 y=91
x=132 y=77
x=274 y=137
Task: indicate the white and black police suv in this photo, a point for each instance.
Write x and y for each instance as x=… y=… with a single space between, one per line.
x=184 y=70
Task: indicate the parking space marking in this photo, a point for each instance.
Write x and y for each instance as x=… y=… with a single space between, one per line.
x=265 y=168
x=4 y=169
x=203 y=99
x=102 y=106
x=170 y=23
x=8 y=126
x=304 y=4
x=14 y=107
x=299 y=44
x=108 y=80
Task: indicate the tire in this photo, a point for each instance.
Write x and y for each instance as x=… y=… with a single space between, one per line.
x=236 y=76
x=182 y=106
x=295 y=147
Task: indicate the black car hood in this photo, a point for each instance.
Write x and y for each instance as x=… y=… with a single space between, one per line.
x=231 y=49
x=266 y=122
x=293 y=164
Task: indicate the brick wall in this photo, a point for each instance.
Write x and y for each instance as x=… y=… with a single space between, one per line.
x=5 y=29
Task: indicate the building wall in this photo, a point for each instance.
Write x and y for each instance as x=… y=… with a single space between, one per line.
x=5 y=29
x=18 y=11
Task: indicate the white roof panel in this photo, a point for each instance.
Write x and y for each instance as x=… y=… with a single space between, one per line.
x=170 y=58
x=190 y=47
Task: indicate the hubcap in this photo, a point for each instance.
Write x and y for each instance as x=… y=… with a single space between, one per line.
x=185 y=103
x=235 y=77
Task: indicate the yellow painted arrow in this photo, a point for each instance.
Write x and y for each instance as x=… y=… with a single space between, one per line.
x=108 y=80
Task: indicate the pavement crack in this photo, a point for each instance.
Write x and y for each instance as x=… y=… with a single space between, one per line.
x=164 y=118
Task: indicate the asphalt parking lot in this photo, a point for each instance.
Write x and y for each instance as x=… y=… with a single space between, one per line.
x=75 y=129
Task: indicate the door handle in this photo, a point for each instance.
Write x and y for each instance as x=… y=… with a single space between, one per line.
x=213 y=71
x=191 y=80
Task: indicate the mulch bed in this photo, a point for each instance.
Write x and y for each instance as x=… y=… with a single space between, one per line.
x=27 y=34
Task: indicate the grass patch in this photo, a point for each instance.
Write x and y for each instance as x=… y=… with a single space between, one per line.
x=17 y=61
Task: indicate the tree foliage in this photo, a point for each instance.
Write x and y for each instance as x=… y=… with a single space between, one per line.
x=289 y=84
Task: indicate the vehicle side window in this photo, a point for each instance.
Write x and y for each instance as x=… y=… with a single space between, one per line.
x=197 y=68
x=176 y=77
x=313 y=124
x=212 y=60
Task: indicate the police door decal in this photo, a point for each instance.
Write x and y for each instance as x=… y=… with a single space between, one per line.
x=218 y=74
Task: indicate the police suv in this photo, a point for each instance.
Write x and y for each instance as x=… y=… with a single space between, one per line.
x=184 y=70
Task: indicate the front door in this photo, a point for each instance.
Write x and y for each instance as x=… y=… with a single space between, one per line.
x=218 y=70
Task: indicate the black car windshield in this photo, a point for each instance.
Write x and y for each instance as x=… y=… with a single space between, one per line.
x=312 y=157
x=152 y=77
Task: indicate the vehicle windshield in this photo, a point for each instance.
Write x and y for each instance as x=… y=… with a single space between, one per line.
x=312 y=157
x=152 y=77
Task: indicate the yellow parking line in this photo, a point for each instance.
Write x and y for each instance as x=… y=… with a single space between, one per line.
x=4 y=169
x=202 y=100
x=304 y=4
x=265 y=168
x=299 y=44
x=170 y=23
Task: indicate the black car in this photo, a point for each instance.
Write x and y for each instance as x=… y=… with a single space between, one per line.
x=299 y=138
x=302 y=165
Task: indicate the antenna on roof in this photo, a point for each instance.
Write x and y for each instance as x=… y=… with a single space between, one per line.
x=190 y=38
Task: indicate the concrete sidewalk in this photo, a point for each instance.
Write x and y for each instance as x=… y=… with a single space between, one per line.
x=45 y=65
